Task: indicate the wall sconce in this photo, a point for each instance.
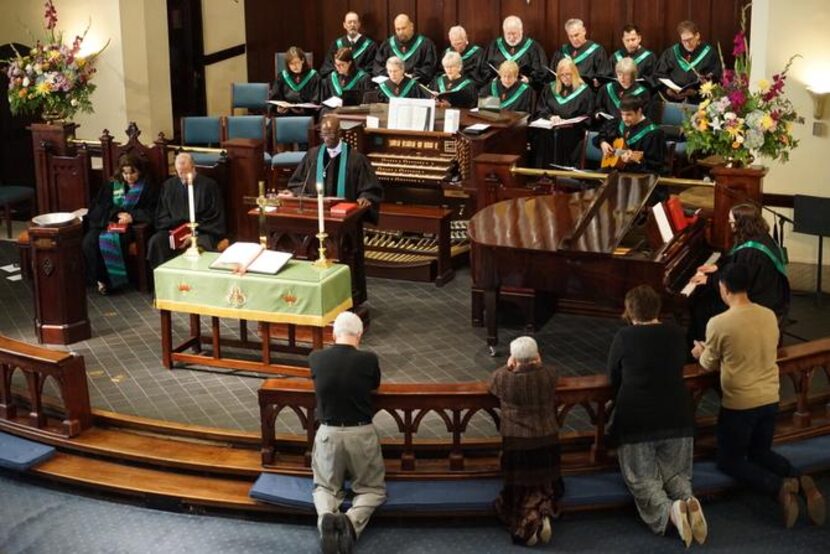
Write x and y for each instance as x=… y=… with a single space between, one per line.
x=819 y=98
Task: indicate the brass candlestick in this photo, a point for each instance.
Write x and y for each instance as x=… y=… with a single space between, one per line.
x=192 y=252
x=322 y=262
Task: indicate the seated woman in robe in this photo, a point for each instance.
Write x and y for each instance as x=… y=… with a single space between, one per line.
x=128 y=198
x=611 y=94
x=461 y=90
x=346 y=78
x=513 y=94
x=565 y=98
x=297 y=84
x=399 y=84
x=754 y=248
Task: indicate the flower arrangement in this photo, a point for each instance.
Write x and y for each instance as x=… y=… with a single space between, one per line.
x=52 y=79
x=737 y=123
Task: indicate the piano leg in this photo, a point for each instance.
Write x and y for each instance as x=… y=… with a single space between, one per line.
x=491 y=318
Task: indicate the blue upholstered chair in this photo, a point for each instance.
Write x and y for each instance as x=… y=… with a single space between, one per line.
x=292 y=133
x=250 y=96
x=591 y=155
x=248 y=126
x=279 y=61
x=672 y=116
x=202 y=131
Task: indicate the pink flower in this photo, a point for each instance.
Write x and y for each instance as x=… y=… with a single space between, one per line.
x=737 y=99
x=50 y=15
x=727 y=77
x=739 y=44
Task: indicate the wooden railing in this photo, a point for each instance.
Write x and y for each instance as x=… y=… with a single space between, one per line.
x=455 y=404
x=38 y=364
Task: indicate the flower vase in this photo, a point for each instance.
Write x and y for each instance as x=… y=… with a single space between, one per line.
x=53 y=117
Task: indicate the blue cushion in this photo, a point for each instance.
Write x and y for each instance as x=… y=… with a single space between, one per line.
x=11 y=194
x=287 y=159
x=675 y=113
x=808 y=455
x=201 y=131
x=292 y=129
x=205 y=158
x=246 y=126
x=21 y=454
x=592 y=153
x=253 y=96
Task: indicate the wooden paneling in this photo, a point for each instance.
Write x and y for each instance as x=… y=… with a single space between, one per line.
x=313 y=24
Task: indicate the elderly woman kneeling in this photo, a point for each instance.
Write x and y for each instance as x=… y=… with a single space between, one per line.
x=530 y=459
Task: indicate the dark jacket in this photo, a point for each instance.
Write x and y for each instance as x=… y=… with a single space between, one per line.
x=344 y=378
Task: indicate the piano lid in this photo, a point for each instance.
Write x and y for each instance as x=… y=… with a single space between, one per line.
x=591 y=220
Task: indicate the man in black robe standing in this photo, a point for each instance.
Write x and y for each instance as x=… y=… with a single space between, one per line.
x=646 y=60
x=688 y=63
x=416 y=51
x=173 y=211
x=590 y=58
x=344 y=172
x=363 y=48
x=515 y=47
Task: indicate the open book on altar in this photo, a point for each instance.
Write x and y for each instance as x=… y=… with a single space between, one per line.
x=242 y=257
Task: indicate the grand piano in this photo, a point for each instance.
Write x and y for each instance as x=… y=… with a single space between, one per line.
x=587 y=246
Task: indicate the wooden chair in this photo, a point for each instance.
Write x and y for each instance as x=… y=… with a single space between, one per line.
x=13 y=195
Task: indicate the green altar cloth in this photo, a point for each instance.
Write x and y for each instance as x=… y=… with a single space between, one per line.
x=300 y=293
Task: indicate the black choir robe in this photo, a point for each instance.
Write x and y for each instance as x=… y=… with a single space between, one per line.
x=591 y=60
x=517 y=98
x=471 y=58
x=360 y=182
x=102 y=213
x=407 y=88
x=173 y=210
x=767 y=286
x=358 y=81
x=682 y=66
x=646 y=61
x=307 y=87
x=464 y=88
x=611 y=94
x=528 y=55
x=364 y=50
x=645 y=137
x=560 y=145
x=418 y=55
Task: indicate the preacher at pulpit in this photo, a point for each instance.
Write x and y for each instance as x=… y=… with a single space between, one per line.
x=173 y=211
x=344 y=172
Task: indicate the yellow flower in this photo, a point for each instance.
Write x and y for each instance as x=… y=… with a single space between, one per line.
x=733 y=131
x=705 y=104
x=736 y=145
x=80 y=62
x=43 y=88
x=767 y=122
x=23 y=92
x=54 y=55
x=702 y=124
x=706 y=89
x=763 y=85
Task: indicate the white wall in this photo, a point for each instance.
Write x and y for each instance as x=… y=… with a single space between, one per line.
x=223 y=24
x=781 y=28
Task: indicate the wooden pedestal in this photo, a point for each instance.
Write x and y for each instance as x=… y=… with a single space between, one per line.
x=733 y=186
x=59 y=287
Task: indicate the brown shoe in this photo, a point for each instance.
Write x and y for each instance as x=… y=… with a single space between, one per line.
x=816 y=508
x=788 y=501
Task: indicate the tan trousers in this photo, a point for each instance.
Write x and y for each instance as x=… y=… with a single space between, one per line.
x=354 y=452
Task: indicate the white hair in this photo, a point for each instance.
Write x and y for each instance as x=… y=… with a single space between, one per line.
x=574 y=22
x=395 y=61
x=457 y=30
x=512 y=21
x=185 y=156
x=524 y=349
x=626 y=65
x=347 y=323
x=452 y=58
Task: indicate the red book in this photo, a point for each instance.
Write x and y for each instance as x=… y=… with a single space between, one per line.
x=118 y=227
x=676 y=215
x=178 y=236
x=343 y=208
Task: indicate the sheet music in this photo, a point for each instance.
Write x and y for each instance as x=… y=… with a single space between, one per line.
x=333 y=102
x=671 y=84
x=284 y=104
x=380 y=79
x=604 y=115
x=662 y=218
x=690 y=287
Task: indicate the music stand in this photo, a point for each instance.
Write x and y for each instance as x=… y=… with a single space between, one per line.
x=810 y=218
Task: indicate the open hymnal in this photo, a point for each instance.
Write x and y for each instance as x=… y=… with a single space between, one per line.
x=333 y=102
x=606 y=116
x=303 y=105
x=242 y=257
x=546 y=123
x=378 y=79
x=668 y=83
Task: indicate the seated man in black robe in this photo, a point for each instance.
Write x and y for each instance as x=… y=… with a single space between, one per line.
x=344 y=172
x=513 y=46
x=173 y=211
x=688 y=63
x=471 y=54
x=646 y=60
x=590 y=58
x=639 y=134
x=417 y=52
x=363 y=48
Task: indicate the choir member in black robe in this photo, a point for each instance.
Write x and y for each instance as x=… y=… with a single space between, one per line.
x=754 y=248
x=689 y=61
x=356 y=181
x=461 y=88
x=515 y=47
x=471 y=54
x=297 y=83
x=611 y=94
x=567 y=97
x=512 y=93
x=639 y=134
x=416 y=51
x=399 y=85
x=173 y=210
x=345 y=78
x=588 y=56
x=128 y=199
x=646 y=60
x=363 y=48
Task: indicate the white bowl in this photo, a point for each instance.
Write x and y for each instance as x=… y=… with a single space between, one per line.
x=57 y=219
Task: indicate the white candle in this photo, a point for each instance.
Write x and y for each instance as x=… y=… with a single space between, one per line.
x=191 y=204
x=320 y=222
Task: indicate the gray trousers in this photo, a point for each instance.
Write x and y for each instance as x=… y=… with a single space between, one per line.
x=339 y=452
x=657 y=473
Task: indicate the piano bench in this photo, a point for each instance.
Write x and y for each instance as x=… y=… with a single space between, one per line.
x=534 y=307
